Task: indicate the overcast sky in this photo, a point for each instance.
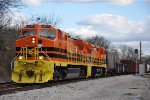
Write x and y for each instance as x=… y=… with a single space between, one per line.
x=120 y=21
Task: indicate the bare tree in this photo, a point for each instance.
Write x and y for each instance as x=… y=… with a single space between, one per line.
x=5 y=8
x=147 y=60
x=130 y=53
x=52 y=19
x=127 y=52
x=99 y=41
x=5 y=5
x=123 y=49
x=4 y=23
x=7 y=39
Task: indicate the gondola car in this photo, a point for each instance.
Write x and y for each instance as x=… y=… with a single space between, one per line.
x=45 y=53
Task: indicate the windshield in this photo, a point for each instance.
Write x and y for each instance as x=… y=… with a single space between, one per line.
x=48 y=33
x=26 y=33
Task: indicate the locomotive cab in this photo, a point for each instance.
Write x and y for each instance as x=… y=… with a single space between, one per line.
x=36 y=31
x=47 y=33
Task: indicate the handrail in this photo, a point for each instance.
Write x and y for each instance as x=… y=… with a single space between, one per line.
x=46 y=55
x=15 y=58
x=24 y=50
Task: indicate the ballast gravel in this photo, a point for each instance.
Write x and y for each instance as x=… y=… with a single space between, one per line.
x=125 y=87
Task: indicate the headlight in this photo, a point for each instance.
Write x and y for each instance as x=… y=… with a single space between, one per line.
x=41 y=57
x=20 y=57
x=33 y=40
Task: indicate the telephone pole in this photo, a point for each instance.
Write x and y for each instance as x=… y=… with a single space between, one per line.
x=140 y=52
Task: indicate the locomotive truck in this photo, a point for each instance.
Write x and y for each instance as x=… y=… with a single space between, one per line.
x=45 y=53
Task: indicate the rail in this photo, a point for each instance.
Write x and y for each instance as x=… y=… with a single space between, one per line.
x=9 y=88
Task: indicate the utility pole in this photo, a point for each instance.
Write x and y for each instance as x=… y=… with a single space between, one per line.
x=136 y=60
x=140 y=52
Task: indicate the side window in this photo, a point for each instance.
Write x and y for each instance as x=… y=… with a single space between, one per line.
x=60 y=34
x=66 y=37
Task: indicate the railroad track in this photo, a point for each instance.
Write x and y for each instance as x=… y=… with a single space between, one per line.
x=5 y=87
x=9 y=87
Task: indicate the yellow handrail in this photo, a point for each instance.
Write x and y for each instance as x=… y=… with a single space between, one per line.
x=26 y=53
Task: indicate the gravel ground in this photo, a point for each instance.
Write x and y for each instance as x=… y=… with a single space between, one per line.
x=126 y=87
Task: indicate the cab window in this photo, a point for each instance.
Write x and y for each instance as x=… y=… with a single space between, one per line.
x=48 y=34
x=26 y=33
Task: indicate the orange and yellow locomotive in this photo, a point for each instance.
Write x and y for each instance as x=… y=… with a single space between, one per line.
x=45 y=53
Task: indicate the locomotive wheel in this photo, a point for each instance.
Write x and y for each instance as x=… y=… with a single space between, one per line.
x=93 y=73
x=103 y=71
x=83 y=72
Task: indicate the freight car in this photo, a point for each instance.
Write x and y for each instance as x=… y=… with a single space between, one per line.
x=112 y=61
x=133 y=66
x=45 y=53
x=122 y=69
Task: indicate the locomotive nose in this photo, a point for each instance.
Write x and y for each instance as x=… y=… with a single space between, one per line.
x=30 y=73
